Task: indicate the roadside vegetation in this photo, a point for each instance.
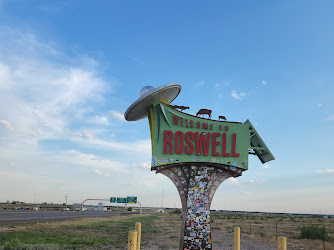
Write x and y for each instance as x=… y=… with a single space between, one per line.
x=307 y=232
x=76 y=233
x=162 y=230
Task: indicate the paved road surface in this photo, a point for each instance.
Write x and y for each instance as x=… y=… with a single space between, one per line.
x=22 y=216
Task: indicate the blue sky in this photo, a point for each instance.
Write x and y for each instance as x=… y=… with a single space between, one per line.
x=70 y=69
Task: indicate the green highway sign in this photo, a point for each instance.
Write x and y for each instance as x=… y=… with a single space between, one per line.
x=131 y=199
x=121 y=200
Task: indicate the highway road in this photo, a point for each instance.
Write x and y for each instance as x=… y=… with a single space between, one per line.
x=26 y=216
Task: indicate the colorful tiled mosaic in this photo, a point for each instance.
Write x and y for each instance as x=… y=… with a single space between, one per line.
x=196 y=185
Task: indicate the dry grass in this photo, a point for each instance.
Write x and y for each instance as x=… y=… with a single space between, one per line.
x=263 y=228
x=159 y=231
x=110 y=232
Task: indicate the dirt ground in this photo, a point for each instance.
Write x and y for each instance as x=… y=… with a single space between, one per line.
x=224 y=239
x=221 y=240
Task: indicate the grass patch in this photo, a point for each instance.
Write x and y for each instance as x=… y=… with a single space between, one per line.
x=313 y=232
x=86 y=233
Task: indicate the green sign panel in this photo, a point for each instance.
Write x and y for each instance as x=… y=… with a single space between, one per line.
x=121 y=200
x=131 y=199
x=181 y=138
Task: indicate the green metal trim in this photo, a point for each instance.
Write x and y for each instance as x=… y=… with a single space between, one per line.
x=258 y=148
x=257 y=144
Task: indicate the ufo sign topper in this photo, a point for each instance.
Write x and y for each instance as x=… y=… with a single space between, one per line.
x=148 y=95
x=196 y=153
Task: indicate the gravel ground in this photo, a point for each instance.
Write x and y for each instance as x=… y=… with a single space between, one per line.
x=221 y=240
x=224 y=240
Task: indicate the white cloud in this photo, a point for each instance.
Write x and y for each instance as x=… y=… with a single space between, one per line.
x=256 y=181
x=146 y=184
x=331 y=117
x=139 y=146
x=53 y=101
x=45 y=91
x=200 y=83
x=237 y=95
x=264 y=82
x=142 y=165
x=117 y=115
x=100 y=173
x=221 y=85
x=327 y=171
x=88 y=160
x=11 y=164
x=99 y=119
x=7 y=125
x=85 y=134
x=265 y=166
x=233 y=181
x=247 y=193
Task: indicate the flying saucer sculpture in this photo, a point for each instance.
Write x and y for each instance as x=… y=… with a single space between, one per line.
x=149 y=95
x=197 y=154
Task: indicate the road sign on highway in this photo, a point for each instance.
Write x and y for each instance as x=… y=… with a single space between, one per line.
x=121 y=200
x=113 y=199
x=132 y=199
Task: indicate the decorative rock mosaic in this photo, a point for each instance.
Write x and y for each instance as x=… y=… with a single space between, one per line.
x=196 y=185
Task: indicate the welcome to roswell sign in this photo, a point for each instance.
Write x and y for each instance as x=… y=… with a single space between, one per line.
x=181 y=138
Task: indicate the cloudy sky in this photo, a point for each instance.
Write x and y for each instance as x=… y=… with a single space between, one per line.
x=70 y=69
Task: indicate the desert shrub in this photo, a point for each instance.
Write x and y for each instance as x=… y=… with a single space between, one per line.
x=39 y=247
x=313 y=232
x=12 y=244
x=228 y=217
x=293 y=219
x=176 y=211
x=15 y=244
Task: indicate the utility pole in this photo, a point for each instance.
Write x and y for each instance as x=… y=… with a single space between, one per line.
x=162 y=198
x=66 y=196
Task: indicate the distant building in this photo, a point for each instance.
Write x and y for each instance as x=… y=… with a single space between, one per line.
x=98 y=208
x=76 y=206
